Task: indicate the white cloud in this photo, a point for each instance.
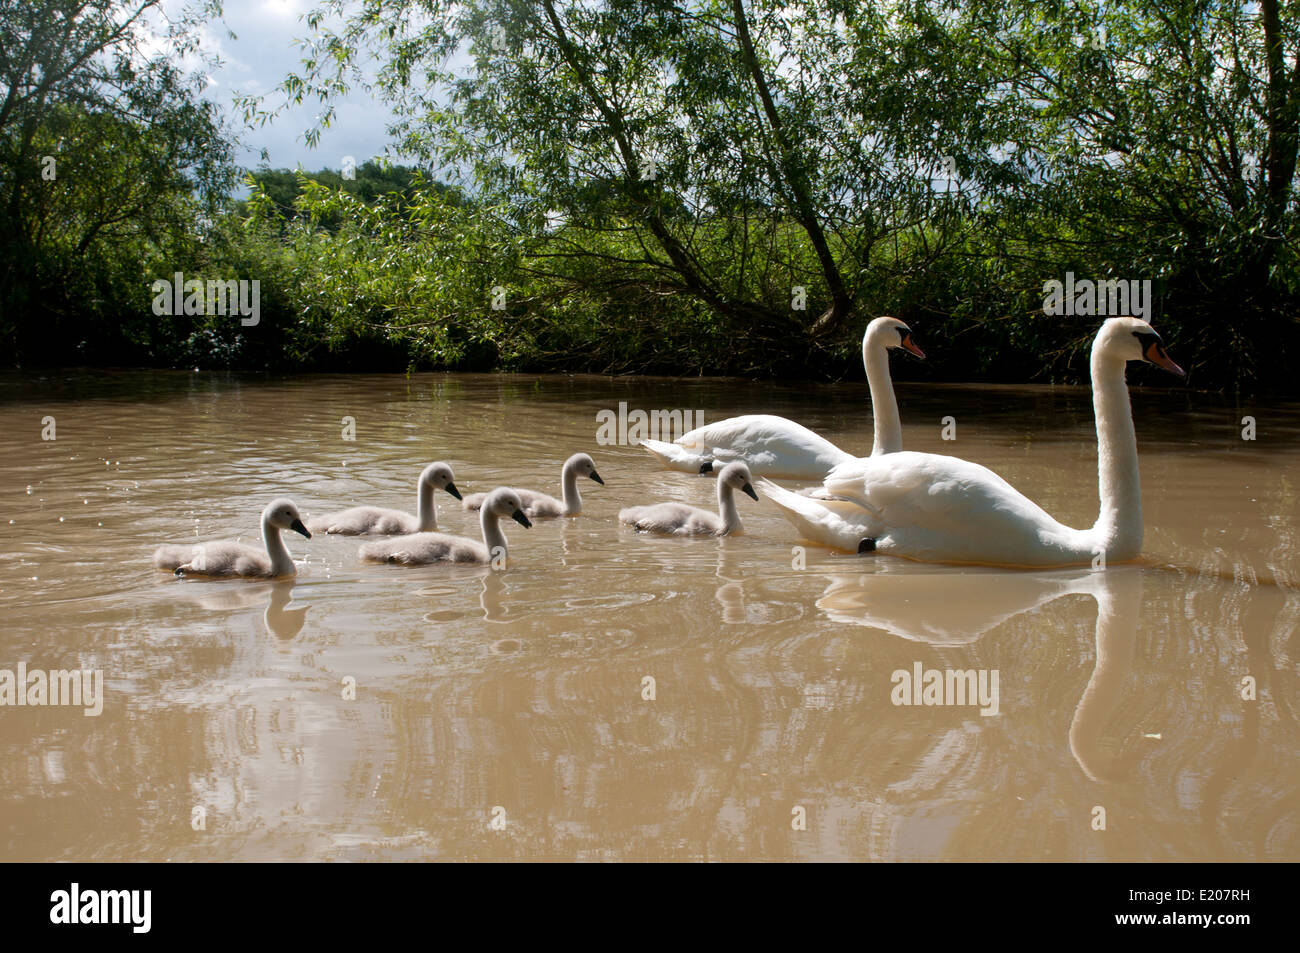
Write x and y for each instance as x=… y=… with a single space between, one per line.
x=264 y=50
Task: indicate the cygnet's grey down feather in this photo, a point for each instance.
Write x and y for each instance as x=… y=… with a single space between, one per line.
x=379 y=521
x=421 y=549
x=228 y=558
x=679 y=519
x=543 y=506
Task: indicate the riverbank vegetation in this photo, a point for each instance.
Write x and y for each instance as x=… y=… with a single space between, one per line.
x=717 y=187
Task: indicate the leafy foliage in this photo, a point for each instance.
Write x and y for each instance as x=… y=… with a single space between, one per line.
x=108 y=156
x=718 y=186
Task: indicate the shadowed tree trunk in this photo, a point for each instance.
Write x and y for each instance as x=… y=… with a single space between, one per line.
x=1282 y=113
x=796 y=182
x=695 y=280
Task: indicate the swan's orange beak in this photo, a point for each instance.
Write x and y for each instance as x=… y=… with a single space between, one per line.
x=1156 y=354
x=910 y=346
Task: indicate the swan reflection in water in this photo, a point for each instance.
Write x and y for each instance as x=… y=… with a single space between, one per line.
x=1118 y=592
x=731 y=592
x=281 y=621
x=492 y=597
x=944 y=606
x=951 y=607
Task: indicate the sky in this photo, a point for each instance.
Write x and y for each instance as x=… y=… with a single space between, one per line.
x=264 y=50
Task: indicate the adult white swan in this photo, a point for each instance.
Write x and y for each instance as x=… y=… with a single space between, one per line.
x=944 y=509
x=780 y=448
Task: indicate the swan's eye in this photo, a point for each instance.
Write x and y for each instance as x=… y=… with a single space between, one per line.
x=1150 y=343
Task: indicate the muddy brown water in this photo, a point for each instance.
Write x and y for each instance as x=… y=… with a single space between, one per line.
x=509 y=715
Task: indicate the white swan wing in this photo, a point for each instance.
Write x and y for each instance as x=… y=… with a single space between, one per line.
x=838 y=523
x=676 y=457
x=770 y=445
x=936 y=507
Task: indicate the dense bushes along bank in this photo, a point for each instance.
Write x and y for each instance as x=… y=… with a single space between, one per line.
x=406 y=281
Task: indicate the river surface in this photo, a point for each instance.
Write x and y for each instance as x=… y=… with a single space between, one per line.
x=615 y=697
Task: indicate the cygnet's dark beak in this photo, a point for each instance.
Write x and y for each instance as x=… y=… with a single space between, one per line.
x=521 y=519
x=451 y=488
x=596 y=476
x=706 y=466
x=749 y=490
x=297 y=527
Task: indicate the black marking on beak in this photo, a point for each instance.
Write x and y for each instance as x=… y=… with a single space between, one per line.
x=749 y=491
x=868 y=545
x=451 y=488
x=1158 y=356
x=297 y=527
x=910 y=345
x=519 y=517
x=1153 y=350
x=596 y=476
x=706 y=466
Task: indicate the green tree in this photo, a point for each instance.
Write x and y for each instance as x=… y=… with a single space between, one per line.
x=724 y=172
x=1160 y=144
x=369 y=182
x=108 y=156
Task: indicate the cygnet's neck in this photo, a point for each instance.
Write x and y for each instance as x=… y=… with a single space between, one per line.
x=569 y=489
x=426 y=510
x=727 y=508
x=281 y=561
x=492 y=535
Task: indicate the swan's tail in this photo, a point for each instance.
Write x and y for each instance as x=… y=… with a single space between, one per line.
x=837 y=523
x=378 y=552
x=818 y=493
x=172 y=556
x=676 y=457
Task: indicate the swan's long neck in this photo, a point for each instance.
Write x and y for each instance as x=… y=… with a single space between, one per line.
x=727 y=507
x=281 y=561
x=569 y=489
x=492 y=535
x=426 y=510
x=1119 y=523
x=884 y=408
